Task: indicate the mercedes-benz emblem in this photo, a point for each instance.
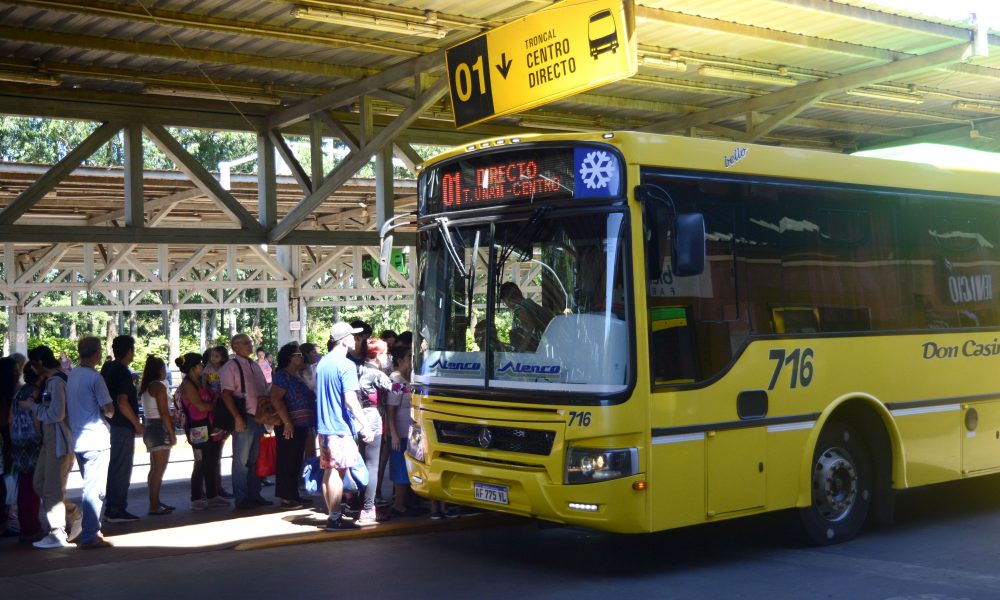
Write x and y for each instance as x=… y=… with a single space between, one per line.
x=485 y=438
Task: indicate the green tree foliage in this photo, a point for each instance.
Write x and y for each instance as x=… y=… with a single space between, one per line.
x=47 y=141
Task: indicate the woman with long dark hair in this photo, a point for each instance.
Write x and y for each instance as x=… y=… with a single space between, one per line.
x=56 y=455
x=159 y=435
x=198 y=403
x=295 y=403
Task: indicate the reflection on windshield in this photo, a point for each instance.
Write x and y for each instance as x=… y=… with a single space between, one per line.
x=559 y=319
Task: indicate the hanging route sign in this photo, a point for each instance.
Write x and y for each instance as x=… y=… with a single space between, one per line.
x=570 y=47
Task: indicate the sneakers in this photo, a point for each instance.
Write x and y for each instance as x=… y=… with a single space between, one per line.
x=199 y=504
x=75 y=527
x=367 y=517
x=52 y=541
x=437 y=515
x=452 y=512
x=340 y=524
x=120 y=517
x=217 y=501
x=100 y=542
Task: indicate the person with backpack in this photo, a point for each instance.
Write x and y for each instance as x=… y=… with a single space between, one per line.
x=55 y=459
x=242 y=384
x=26 y=443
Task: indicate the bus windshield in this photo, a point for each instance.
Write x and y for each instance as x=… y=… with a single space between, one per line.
x=559 y=316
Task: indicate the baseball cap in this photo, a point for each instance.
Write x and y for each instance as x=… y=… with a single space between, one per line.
x=341 y=330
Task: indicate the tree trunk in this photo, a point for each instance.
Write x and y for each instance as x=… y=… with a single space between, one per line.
x=73 y=336
x=203 y=342
x=213 y=325
x=112 y=333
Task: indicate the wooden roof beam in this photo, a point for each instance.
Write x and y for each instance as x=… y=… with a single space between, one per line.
x=355 y=160
x=168 y=18
x=799 y=40
x=886 y=19
x=818 y=89
x=187 y=55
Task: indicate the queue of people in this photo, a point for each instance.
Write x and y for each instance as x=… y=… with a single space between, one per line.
x=351 y=407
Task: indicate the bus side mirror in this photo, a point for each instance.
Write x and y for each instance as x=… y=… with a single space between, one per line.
x=385 y=253
x=687 y=252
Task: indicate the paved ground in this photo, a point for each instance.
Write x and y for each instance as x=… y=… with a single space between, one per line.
x=186 y=531
x=942 y=547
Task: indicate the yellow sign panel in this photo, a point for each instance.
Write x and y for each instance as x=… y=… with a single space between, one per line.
x=570 y=47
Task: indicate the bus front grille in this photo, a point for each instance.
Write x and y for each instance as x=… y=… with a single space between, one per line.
x=492 y=437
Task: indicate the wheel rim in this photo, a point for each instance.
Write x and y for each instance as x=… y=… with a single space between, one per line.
x=835 y=484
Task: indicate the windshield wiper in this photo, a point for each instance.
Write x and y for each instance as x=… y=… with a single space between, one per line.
x=472 y=273
x=449 y=243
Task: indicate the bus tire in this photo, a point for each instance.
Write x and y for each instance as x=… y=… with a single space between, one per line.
x=841 y=481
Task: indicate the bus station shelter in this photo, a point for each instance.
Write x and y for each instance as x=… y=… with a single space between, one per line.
x=835 y=76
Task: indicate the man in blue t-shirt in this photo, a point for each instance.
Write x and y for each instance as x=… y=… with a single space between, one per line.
x=88 y=406
x=339 y=416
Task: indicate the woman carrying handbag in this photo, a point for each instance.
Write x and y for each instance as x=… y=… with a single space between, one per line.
x=198 y=403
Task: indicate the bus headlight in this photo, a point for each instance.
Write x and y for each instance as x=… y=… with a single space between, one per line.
x=589 y=465
x=415 y=444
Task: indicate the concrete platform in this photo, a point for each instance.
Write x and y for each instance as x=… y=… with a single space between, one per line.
x=187 y=532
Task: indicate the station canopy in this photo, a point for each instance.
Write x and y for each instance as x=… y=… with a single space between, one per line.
x=837 y=76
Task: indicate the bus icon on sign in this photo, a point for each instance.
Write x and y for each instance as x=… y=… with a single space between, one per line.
x=603 y=33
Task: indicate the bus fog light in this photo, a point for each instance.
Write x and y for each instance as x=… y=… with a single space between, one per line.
x=583 y=507
x=589 y=465
x=415 y=444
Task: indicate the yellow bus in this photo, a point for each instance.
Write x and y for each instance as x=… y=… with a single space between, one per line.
x=635 y=332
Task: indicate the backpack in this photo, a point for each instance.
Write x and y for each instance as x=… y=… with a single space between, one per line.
x=22 y=425
x=177 y=413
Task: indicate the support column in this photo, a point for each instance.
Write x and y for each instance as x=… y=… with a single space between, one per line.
x=384 y=200
x=289 y=301
x=19 y=329
x=267 y=181
x=174 y=339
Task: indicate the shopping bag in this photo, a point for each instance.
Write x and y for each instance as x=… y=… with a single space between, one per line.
x=267 y=456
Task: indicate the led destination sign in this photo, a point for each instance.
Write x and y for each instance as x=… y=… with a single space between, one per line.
x=528 y=176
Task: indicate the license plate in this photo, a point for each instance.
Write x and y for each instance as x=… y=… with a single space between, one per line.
x=497 y=494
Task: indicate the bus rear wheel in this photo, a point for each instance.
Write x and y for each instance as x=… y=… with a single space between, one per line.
x=841 y=481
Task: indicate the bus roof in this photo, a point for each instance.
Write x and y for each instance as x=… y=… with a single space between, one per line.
x=694 y=154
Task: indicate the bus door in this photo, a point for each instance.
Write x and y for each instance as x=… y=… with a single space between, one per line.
x=696 y=324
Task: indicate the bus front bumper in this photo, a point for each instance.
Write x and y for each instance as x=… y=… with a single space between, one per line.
x=608 y=505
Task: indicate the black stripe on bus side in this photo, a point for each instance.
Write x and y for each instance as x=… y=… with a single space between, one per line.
x=742 y=424
x=941 y=401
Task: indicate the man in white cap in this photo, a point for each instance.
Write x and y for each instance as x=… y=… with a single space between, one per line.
x=339 y=416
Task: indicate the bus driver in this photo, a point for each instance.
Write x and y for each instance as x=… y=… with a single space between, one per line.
x=530 y=319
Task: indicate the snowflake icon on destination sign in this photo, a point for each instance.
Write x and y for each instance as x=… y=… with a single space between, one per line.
x=597 y=169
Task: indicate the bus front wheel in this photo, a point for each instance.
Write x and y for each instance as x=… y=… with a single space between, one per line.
x=841 y=481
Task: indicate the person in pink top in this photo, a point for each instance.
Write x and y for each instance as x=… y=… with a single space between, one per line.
x=264 y=362
x=242 y=384
x=198 y=403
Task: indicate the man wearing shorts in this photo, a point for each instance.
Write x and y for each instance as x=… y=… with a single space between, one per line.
x=339 y=416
